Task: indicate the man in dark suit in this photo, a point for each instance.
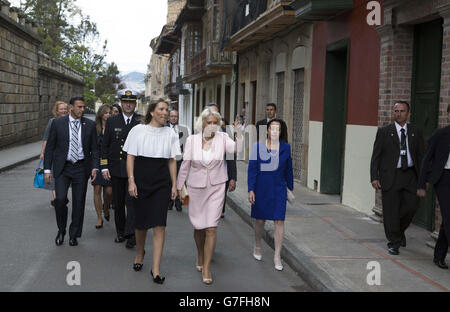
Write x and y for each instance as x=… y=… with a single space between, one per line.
x=183 y=134
x=114 y=165
x=395 y=166
x=436 y=171
x=230 y=159
x=261 y=126
x=72 y=153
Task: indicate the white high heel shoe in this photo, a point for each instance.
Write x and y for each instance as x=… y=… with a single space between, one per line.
x=278 y=267
x=257 y=257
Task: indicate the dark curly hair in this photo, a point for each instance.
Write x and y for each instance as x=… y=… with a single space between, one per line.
x=283 y=130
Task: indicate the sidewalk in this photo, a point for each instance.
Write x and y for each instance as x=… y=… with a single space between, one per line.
x=15 y=156
x=330 y=245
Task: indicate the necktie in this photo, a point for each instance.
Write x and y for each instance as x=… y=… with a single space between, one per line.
x=75 y=143
x=404 y=151
x=128 y=121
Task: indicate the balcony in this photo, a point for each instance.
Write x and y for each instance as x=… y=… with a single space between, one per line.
x=208 y=63
x=171 y=91
x=277 y=16
x=320 y=10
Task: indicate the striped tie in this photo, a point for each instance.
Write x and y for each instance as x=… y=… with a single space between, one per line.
x=75 y=143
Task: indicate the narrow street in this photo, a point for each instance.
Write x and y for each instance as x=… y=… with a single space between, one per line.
x=30 y=260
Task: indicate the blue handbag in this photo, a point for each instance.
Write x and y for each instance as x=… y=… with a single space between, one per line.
x=39 y=176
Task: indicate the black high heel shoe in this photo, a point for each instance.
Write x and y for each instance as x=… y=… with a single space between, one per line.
x=158 y=279
x=98 y=227
x=138 y=266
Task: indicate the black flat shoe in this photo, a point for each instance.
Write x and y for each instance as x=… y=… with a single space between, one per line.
x=441 y=264
x=138 y=266
x=73 y=242
x=98 y=227
x=59 y=240
x=158 y=279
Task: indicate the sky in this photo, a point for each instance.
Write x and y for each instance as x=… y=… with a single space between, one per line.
x=129 y=26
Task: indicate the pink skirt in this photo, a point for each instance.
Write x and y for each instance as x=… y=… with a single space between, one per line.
x=205 y=205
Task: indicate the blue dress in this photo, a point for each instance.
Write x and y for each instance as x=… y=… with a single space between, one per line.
x=269 y=176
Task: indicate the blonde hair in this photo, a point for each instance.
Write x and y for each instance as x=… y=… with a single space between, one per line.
x=56 y=107
x=204 y=115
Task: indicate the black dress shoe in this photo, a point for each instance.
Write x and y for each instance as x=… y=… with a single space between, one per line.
x=107 y=218
x=158 y=279
x=59 y=240
x=393 y=251
x=73 y=242
x=119 y=239
x=441 y=264
x=131 y=242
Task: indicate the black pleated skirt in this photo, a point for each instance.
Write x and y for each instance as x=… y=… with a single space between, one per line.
x=152 y=177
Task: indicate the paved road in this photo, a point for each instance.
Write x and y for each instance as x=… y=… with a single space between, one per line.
x=30 y=261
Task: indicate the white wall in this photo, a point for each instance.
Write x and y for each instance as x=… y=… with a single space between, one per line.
x=358 y=192
x=314 y=153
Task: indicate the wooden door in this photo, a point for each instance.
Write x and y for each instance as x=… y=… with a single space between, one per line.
x=334 y=118
x=425 y=98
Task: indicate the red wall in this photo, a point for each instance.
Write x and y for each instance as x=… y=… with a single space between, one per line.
x=364 y=67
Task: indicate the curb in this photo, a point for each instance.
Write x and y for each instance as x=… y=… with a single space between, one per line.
x=17 y=164
x=316 y=278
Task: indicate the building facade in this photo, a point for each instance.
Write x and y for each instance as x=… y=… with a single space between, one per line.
x=274 y=53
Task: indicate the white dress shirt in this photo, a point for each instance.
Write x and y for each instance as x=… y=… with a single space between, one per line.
x=175 y=128
x=447 y=165
x=125 y=118
x=399 y=133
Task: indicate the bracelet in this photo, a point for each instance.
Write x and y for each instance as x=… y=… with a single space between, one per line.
x=131 y=178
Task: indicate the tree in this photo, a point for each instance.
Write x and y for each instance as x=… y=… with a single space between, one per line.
x=108 y=83
x=70 y=36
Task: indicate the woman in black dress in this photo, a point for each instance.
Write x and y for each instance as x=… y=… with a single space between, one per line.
x=100 y=184
x=152 y=168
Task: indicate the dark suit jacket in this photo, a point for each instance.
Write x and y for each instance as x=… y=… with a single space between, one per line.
x=386 y=153
x=231 y=159
x=436 y=157
x=58 y=145
x=116 y=132
x=258 y=124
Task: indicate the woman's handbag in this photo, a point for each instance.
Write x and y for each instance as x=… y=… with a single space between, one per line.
x=184 y=196
x=39 y=176
x=290 y=197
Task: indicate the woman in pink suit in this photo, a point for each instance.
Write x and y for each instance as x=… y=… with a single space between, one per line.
x=204 y=168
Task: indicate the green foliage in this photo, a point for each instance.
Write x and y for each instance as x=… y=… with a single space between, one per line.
x=72 y=37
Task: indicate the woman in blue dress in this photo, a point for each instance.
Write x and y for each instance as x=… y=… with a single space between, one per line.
x=269 y=177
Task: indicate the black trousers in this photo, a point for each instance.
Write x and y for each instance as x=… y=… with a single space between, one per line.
x=73 y=175
x=226 y=192
x=124 y=220
x=177 y=201
x=400 y=204
x=443 y=194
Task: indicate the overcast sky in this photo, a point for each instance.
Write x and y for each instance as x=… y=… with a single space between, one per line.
x=129 y=26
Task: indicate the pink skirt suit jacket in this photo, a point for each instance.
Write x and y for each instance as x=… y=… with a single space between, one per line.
x=205 y=182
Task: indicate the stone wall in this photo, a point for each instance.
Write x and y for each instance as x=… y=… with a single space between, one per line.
x=30 y=81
